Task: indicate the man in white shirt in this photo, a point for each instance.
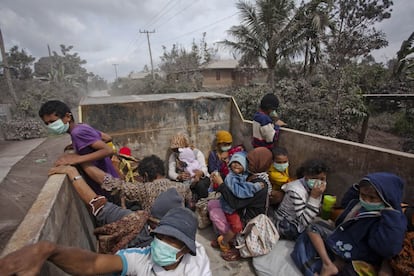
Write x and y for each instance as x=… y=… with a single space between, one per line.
x=174 y=251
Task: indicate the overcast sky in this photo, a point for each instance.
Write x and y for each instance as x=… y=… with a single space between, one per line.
x=107 y=32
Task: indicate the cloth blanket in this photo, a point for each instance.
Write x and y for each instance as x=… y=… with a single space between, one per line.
x=278 y=261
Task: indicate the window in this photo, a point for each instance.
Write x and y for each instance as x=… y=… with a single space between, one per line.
x=218 y=75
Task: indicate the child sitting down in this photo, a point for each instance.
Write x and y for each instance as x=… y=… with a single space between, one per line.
x=236 y=182
x=371 y=229
x=188 y=162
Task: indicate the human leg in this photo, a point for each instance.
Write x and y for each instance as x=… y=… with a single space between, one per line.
x=217 y=216
x=328 y=267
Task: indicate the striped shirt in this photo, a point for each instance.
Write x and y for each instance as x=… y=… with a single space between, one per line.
x=298 y=207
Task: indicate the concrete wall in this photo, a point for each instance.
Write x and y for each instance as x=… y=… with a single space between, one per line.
x=146 y=123
x=348 y=161
x=57 y=215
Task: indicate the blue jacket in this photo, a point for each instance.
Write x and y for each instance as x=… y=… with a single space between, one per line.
x=240 y=188
x=372 y=236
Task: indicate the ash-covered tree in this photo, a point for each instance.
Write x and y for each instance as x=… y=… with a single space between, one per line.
x=180 y=59
x=63 y=67
x=355 y=34
x=404 y=66
x=20 y=63
x=265 y=33
x=182 y=65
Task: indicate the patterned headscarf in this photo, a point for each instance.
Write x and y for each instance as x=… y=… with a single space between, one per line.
x=180 y=140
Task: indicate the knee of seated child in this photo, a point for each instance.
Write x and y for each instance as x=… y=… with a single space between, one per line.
x=236 y=225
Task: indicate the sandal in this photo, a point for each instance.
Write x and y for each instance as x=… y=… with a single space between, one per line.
x=223 y=248
x=214 y=243
x=231 y=255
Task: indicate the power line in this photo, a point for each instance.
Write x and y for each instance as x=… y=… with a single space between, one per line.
x=162 y=12
x=182 y=10
x=201 y=28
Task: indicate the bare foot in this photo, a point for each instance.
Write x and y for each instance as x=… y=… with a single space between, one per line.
x=328 y=270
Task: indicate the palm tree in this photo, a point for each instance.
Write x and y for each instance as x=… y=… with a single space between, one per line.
x=315 y=18
x=404 y=68
x=266 y=33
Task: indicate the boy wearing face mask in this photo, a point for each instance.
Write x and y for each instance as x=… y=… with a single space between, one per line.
x=86 y=141
x=174 y=251
x=371 y=229
x=302 y=200
x=279 y=174
x=266 y=124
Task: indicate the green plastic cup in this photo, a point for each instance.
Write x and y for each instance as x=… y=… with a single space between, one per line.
x=327 y=204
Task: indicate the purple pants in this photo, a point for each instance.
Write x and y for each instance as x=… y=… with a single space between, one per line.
x=217 y=217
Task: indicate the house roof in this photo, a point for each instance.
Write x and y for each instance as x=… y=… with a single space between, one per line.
x=222 y=64
x=226 y=64
x=138 y=75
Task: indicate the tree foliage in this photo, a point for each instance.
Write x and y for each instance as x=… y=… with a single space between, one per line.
x=404 y=66
x=20 y=62
x=63 y=67
x=354 y=34
x=179 y=59
x=267 y=33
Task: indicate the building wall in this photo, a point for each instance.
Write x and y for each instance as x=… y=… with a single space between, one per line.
x=210 y=78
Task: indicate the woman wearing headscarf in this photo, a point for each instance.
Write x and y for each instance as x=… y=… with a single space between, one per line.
x=259 y=161
x=176 y=168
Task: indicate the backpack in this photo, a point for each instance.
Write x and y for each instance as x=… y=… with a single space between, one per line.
x=257 y=238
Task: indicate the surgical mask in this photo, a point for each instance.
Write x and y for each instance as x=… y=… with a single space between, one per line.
x=311 y=183
x=281 y=167
x=273 y=114
x=371 y=206
x=162 y=253
x=58 y=127
x=314 y=181
x=225 y=148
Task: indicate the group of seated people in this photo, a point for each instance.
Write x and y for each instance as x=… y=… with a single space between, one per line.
x=249 y=183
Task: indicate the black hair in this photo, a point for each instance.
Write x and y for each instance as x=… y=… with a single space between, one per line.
x=269 y=102
x=54 y=107
x=150 y=167
x=312 y=167
x=276 y=151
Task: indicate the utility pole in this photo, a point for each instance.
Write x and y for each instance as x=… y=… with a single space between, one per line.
x=116 y=71
x=149 y=47
x=6 y=70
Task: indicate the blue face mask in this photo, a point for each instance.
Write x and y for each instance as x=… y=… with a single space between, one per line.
x=281 y=167
x=225 y=148
x=311 y=183
x=162 y=253
x=371 y=206
x=58 y=127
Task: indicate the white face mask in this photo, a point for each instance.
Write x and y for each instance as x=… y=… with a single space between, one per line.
x=281 y=167
x=58 y=127
x=225 y=148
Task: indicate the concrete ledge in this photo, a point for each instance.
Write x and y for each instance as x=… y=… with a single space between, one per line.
x=57 y=215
